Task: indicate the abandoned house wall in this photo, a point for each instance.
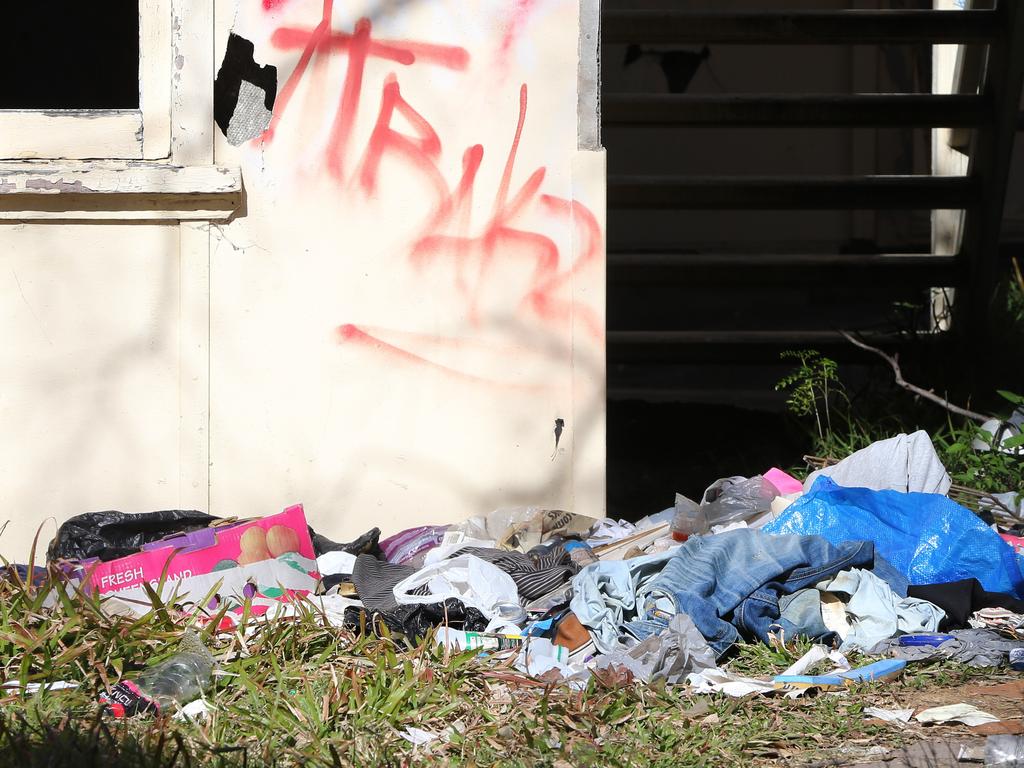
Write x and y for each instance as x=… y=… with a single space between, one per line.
x=407 y=299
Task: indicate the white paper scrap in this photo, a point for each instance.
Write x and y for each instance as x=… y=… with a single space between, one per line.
x=420 y=737
x=956 y=713
x=196 y=710
x=813 y=656
x=897 y=716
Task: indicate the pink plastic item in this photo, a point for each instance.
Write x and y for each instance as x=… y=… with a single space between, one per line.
x=786 y=484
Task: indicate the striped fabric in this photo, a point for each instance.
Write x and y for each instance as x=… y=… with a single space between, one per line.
x=535 y=575
x=375 y=582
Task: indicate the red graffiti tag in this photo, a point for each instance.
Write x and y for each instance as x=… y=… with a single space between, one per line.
x=371 y=338
x=323 y=41
x=421 y=151
x=502 y=238
x=511 y=233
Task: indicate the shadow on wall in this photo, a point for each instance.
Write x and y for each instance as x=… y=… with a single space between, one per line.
x=434 y=470
x=94 y=371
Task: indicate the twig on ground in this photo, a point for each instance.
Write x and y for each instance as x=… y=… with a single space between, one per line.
x=894 y=363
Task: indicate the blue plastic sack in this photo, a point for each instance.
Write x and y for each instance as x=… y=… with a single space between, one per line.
x=927 y=537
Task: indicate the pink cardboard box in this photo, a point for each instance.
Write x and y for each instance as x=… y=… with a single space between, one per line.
x=274 y=537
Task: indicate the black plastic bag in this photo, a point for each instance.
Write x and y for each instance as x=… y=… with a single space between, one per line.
x=416 y=621
x=110 y=535
x=367 y=544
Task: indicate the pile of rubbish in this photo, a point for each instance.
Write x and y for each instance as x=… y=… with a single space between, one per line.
x=867 y=557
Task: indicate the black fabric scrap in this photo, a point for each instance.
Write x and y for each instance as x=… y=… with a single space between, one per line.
x=960 y=599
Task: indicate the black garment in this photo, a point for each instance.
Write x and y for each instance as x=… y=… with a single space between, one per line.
x=375 y=582
x=960 y=599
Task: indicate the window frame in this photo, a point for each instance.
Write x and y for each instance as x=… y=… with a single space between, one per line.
x=115 y=134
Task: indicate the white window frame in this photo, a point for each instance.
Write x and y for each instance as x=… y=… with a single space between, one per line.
x=122 y=134
x=151 y=164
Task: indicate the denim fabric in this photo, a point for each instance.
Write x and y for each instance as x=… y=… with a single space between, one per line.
x=730 y=583
x=800 y=616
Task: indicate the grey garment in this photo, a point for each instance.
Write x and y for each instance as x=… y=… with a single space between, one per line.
x=670 y=656
x=876 y=613
x=906 y=463
x=605 y=594
x=974 y=647
x=375 y=582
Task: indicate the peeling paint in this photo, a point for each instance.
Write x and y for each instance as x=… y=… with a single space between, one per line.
x=83 y=114
x=179 y=61
x=7 y=186
x=45 y=185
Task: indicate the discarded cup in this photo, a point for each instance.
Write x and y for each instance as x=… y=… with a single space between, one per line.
x=689 y=519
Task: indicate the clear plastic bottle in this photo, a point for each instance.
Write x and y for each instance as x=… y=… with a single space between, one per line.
x=689 y=519
x=175 y=681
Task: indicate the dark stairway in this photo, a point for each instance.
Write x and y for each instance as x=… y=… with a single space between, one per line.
x=717 y=265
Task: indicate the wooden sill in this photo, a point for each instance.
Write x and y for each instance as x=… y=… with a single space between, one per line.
x=112 y=190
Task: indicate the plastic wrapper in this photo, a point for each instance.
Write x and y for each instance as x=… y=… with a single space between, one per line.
x=112 y=535
x=522 y=528
x=402 y=548
x=417 y=621
x=738 y=499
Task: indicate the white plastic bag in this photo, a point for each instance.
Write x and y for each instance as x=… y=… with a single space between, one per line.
x=475 y=582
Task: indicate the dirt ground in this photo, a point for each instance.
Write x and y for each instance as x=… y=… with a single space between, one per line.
x=937 y=746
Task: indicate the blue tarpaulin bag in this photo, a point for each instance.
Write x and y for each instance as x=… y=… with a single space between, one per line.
x=925 y=536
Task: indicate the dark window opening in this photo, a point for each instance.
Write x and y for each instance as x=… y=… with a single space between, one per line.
x=71 y=55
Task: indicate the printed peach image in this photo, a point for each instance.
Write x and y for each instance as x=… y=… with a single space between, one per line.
x=253 y=545
x=281 y=540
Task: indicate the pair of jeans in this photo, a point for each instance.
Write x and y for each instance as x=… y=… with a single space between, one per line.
x=730 y=584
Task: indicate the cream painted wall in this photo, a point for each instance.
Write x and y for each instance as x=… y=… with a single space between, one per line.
x=385 y=385
x=89 y=374
x=307 y=351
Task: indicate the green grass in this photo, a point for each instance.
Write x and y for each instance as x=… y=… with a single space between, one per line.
x=297 y=692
